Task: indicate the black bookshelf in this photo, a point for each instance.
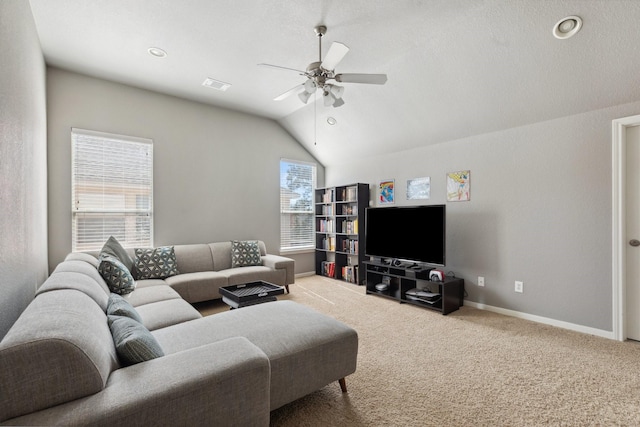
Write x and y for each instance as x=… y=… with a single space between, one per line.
x=340 y=236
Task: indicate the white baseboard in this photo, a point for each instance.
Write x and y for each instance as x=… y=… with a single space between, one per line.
x=544 y=320
x=307 y=274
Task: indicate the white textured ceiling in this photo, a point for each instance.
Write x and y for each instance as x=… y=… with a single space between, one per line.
x=455 y=67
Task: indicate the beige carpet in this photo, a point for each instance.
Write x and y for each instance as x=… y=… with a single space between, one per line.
x=469 y=368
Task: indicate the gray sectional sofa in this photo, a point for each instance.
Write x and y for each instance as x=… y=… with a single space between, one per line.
x=59 y=364
x=205 y=268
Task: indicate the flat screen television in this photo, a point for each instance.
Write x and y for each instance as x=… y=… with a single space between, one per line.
x=411 y=233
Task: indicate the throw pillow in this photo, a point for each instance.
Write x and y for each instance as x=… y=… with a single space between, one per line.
x=155 y=263
x=113 y=248
x=245 y=253
x=134 y=343
x=117 y=276
x=118 y=306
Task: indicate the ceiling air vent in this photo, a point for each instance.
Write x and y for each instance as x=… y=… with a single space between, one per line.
x=216 y=84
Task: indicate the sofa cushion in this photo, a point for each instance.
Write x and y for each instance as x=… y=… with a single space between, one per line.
x=155 y=263
x=245 y=253
x=59 y=349
x=190 y=388
x=134 y=343
x=82 y=256
x=150 y=294
x=113 y=248
x=98 y=291
x=196 y=287
x=221 y=254
x=194 y=258
x=146 y=283
x=117 y=276
x=166 y=313
x=118 y=306
x=85 y=268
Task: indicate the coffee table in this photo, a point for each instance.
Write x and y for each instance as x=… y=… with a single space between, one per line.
x=246 y=294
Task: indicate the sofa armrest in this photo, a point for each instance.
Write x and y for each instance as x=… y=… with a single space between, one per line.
x=278 y=262
x=207 y=385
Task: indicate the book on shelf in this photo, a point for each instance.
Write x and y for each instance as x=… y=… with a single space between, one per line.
x=327 y=210
x=327 y=196
x=349 y=210
x=350 y=227
x=326 y=226
x=350 y=246
x=351 y=194
x=350 y=273
x=328 y=268
x=329 y=243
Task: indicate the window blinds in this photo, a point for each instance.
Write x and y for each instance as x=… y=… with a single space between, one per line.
x=297 y=184
x=112 y=190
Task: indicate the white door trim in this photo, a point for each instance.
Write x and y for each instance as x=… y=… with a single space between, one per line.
x=619 y=240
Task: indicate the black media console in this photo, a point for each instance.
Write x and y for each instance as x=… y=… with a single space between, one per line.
x=445 y=296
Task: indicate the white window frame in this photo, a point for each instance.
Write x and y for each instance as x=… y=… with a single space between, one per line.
x=107 y=188
x=286 y=235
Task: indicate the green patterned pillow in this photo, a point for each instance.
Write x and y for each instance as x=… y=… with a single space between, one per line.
x=155 y=263
x=118 y=306
x=245 y=253
x=134 y=343
x=113 y=248
x=117 y=276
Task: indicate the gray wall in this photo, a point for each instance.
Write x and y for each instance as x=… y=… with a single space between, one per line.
x=23 y=167
x=216 y=171
x=540 y=212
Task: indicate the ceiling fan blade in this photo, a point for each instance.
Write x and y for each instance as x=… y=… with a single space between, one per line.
x=374 y=79
x=295 y=89
x=337 y=51
x=277 y=67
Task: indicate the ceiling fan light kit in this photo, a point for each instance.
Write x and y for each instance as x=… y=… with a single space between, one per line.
x=319 y=75
x=304 y=96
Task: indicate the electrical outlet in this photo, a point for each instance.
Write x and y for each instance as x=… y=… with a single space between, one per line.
x=519 y=286
x=480 y=281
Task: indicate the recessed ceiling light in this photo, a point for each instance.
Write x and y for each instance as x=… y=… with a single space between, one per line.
x=567 y=27
x=331 y=121
x=157 y=52
x=216 y=84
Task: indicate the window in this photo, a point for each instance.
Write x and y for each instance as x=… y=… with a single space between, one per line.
x=112 y=190
x=297 y=183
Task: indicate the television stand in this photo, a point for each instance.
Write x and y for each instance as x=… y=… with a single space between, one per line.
x=402 y=279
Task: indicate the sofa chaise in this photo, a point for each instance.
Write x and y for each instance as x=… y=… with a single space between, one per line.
x=59 y=364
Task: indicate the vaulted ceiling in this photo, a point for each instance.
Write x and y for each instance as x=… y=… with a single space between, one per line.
x=455 y=67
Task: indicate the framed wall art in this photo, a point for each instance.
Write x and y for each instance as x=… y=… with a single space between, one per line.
x=459 y=186
x=386 y=192
x=419 y=188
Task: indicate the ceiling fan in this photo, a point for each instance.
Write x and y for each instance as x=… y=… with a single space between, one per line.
x=321 y=74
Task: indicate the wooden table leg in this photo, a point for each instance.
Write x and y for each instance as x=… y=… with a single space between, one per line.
x=343 y=385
